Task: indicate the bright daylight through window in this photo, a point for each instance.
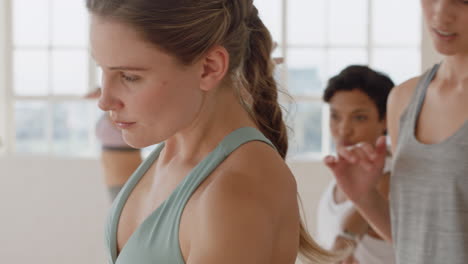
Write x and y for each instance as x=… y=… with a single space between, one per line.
x=52 y=69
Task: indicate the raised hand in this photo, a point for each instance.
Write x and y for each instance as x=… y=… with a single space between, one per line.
x=358 y=168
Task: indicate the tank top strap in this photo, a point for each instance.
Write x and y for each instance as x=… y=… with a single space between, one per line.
x=228 y=145
x=241 y=136
x=120 y=200
x=410 y=114
x=420 y=93
x=140 y=172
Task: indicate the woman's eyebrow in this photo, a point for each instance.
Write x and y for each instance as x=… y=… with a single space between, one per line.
x=127 y=68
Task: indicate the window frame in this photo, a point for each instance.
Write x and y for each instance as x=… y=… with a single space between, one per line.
x=370 y=47
x=8 y=98
x=5 y=78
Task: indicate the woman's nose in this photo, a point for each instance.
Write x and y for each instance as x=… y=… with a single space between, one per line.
x=443 y=13
x=109 y=100
x=345 y=128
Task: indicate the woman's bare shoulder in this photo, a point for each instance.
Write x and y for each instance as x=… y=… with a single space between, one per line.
x=258 y=171
x=401 y=94
x=398 y=101
x=250 y=197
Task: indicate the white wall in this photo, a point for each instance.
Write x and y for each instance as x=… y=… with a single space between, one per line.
x=312 y=178
x=51 y=211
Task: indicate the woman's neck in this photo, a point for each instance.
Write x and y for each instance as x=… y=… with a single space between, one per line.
x=453 y=72
x=219 y=115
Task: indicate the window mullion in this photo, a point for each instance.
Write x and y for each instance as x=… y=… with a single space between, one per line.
x=6 y=92
x=285 y=45
x=50 y=93
x=370 y=33
x=324 y=128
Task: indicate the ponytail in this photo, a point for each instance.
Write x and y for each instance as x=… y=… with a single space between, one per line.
x=257 y=78
x=258 y=74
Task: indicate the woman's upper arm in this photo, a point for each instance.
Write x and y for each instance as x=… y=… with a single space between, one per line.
x=235 y=224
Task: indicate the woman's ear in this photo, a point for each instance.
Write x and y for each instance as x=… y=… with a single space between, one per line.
x=215 y=65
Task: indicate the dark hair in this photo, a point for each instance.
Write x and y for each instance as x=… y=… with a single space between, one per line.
x=187 y=29
x=375 y=84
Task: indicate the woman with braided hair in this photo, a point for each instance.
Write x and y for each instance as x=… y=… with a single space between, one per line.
x=196 y=76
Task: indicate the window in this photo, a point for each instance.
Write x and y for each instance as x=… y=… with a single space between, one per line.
x=51 y=68
x=319 y=38
x=51 y=71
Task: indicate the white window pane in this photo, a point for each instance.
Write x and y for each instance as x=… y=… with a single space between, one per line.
x=70 y=23
x=305 y=119
x=31 y=127
x=278 y=56
x=279 y=74
x=388 y=60
x=306 y=71
x=30 y=22
x=73 y=128
x=70 y=72
x=341 y=58
x=306 y=20
x=348 y=22
x=271 y=14
x=30 y=72
x=277 y=52
x=405 y=30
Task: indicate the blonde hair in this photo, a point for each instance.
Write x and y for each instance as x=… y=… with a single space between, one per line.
x=188 y=29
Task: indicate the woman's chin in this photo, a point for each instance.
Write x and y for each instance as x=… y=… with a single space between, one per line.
x=449 y=50
x=135 y=143
x=140 y=143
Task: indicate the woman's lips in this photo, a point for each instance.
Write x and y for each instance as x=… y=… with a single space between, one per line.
x=124 y=125
x=445 y=35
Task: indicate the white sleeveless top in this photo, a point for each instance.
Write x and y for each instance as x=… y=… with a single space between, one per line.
x=330 y=216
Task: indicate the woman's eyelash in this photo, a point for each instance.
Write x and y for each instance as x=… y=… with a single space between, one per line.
x=129 y=78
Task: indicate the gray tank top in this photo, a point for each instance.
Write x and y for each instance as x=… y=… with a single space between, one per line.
x=429 y=191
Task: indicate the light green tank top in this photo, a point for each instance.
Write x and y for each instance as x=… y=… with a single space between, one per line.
x=156 y=240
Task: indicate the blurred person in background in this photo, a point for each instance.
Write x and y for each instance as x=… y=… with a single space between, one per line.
x=357 y=97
